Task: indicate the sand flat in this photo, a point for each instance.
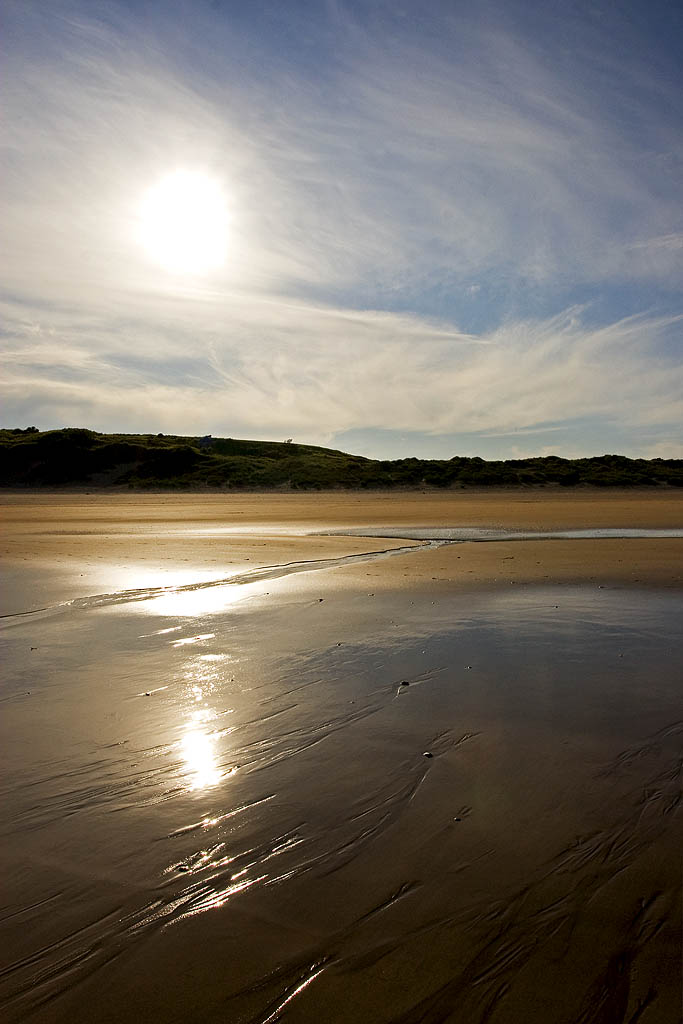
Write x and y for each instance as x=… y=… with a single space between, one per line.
x=217 y=799
x=81 y=539
x=515 y=508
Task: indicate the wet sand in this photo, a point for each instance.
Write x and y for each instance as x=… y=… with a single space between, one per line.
x=78 y=544
x=217 y=804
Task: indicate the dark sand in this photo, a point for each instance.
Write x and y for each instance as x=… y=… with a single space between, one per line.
x=216 y=801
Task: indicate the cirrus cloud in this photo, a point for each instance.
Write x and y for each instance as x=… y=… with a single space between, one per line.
x=449 y=228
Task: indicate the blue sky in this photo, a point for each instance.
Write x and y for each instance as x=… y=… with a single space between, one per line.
x=453 y=228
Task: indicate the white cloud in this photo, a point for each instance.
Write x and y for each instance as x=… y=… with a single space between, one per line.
x=401 y=170
x=664 y=450
x=408 y=166
x=282 y=368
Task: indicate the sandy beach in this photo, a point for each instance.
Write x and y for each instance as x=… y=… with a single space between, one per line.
x=74 y=542
x=256 y=770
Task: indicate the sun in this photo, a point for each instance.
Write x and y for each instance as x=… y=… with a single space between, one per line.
x=184 y=223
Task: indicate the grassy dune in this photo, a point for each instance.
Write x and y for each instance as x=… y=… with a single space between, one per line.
x=80 y=457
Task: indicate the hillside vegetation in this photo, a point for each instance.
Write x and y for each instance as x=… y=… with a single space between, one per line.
x=78 y=457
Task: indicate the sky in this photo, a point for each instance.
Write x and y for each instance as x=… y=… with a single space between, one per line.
x=398 y=229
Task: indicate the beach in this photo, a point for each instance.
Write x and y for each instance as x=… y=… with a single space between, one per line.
x=257 y=768
x=71 y=543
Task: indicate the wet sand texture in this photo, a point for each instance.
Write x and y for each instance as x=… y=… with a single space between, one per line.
x=217 y=804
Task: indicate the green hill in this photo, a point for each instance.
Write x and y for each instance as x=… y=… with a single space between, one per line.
x=78 y=457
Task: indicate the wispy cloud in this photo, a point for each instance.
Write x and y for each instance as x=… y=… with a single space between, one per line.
x=373 y=166
x=403 y=163
x=271 y=369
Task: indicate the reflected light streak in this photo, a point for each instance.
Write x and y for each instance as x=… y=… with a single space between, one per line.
x=206 y=600
x=184 y=641
x=198 y=744
x=186 y=593
x=292 y=995
x=200 y=759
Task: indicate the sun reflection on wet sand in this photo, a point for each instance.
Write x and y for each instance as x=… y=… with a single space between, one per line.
x=200 y=758
x=198 y=744
x=184 y=641
x=206 y=600
x=185 y=594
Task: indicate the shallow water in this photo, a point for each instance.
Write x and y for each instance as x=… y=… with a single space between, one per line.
x=183 y=588
x=218 y=806
x=477 y=533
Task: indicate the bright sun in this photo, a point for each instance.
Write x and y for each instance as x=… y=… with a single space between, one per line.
x=184 y=223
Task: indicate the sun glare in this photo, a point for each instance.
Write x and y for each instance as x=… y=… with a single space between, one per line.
x=184 y=223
